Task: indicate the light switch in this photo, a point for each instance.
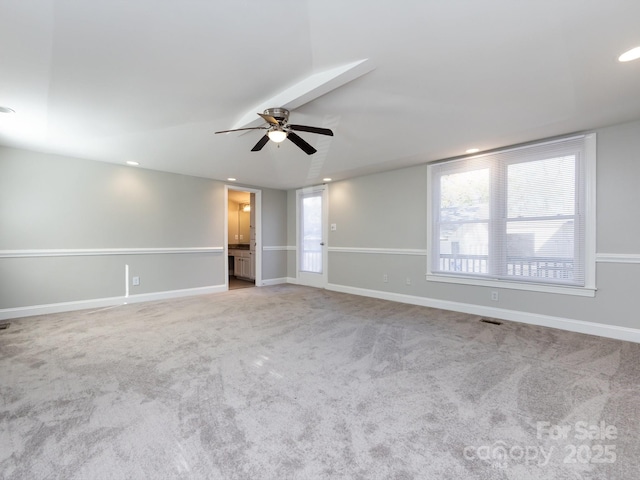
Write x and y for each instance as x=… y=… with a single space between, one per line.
x=334 y=227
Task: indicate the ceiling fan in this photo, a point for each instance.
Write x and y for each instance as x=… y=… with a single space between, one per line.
x=278 y=129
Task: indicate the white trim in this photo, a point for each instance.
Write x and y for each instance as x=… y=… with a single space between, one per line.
x=257 y=249
x=600 y=257
x=618 y=258
x=579 y=326
x=275 y=281
x=529 y=287
x=384 y=251
x=184 y=292
x=83 y=252
x=18 y=312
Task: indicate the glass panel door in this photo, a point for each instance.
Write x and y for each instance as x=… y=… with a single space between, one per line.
x=311 y=237
x=311 y=233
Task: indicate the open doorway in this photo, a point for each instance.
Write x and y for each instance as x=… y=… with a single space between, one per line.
x=243 y=238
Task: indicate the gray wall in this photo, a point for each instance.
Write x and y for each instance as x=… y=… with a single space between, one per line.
x=53 y=202
x=50 y=202
x=274 y=234
x=619 y=189
x=388 y=211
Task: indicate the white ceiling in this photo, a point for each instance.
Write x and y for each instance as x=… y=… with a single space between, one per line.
x=151 y=80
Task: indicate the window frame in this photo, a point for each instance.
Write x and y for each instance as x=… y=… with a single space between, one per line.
x=586 y=170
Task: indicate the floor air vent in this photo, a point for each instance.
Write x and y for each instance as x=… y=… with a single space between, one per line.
x=491 y=321
x=4 y=326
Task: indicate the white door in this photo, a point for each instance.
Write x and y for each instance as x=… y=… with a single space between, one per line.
x=311 y=237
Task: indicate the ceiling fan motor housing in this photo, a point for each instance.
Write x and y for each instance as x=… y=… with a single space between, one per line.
x=280 y=114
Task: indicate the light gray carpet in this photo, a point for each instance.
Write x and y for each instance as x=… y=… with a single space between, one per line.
x=288 y=382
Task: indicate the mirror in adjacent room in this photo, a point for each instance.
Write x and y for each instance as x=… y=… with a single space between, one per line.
x=239 y=217
x=244 y=222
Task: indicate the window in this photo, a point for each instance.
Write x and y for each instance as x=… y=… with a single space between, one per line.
x=523 y=215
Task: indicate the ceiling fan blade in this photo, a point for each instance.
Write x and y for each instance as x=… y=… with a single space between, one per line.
x=308 y=149
x=305 y=128
x=240 y=129
x=270 y=119
x=261 y=143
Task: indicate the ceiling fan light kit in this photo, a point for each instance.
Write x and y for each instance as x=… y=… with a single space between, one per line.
x=277 y=135
x=278 y=129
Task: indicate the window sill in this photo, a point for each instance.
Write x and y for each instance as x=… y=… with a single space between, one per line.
x=529 y=287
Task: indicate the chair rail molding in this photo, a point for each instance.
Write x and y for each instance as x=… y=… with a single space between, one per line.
x=71 y=252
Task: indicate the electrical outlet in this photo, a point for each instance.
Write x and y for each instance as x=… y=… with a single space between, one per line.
x=385 y=278
x=334 y=227
x=136 y=281
x=494 y=296
x=408 y=281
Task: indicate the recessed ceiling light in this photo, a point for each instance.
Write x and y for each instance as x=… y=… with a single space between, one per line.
x=231 y=179
x=472 y=150
x=132 y=163
x=327 y=179
x=632 y=54
x=6 y=110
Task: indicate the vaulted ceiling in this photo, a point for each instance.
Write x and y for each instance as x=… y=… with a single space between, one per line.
x=151 y=80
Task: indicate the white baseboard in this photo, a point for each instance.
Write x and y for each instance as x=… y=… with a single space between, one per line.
x=186 y=292
x=30 y=311
x=274 y=281
x=579 y=326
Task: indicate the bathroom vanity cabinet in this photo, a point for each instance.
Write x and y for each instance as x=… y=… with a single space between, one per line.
x=243 y=265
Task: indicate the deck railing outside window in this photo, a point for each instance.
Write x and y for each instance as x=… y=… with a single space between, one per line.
x=537 y=267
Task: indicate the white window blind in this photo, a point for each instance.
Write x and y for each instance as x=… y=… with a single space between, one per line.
x=516 y=215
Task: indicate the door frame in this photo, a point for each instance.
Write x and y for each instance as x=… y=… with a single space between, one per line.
x=306 y=278
x=258 y=220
